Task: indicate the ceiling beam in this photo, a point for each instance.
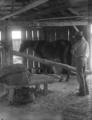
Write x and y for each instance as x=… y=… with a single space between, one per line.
x=43 y=24
x=64 y=18
x=44 y=12
x=26 y=8
x=65 y=23
x=73 y=11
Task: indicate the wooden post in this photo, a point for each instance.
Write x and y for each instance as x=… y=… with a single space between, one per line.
x=55 y=35
x=68 y=34
x=3 y=60
x=38 y=37
x=33 y=38
x=22 y=39
x=11 y=95
x=28 y=37
x=90 y=45
x=45 y=88
x=3 y=51
x=9 y=53
x=7 y=56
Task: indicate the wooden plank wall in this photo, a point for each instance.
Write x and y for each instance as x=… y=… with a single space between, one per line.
x=33 y=33
x=55 y=33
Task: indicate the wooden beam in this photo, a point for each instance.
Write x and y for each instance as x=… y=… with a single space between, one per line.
x=73 y=11
x=49 y=62
x=26 y=8
x=34 y=79
x=45 y=12
x=64 y=23
x=41 y=79
x=44 y=61
x=65 y=18
x=43 y=24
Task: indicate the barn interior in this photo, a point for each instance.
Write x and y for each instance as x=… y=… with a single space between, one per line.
x=47 y=20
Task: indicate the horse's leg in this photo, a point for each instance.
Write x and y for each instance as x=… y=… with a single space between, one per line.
x=68 y=76
x=58 y=70
x=67 y=60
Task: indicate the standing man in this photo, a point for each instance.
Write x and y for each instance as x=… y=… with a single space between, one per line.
x=80 y=51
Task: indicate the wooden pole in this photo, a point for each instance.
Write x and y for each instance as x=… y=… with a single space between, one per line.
x=49 y=62
x=44 y=61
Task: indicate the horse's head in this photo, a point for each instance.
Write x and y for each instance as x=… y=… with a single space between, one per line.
x=28 y=44
x=22 y=46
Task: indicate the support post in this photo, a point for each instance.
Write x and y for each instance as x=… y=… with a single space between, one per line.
x=45 y=88
x=6 y=53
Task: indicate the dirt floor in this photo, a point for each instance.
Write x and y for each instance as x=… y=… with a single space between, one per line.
x=61 y=103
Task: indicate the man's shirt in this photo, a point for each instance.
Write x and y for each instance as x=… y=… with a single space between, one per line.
x=81 y=48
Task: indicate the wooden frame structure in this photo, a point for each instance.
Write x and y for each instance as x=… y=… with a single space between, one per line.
x=26 y=8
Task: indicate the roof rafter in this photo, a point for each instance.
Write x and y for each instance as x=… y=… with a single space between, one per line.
x=26 y=8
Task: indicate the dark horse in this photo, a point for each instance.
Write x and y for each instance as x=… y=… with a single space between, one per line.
x=59 y=50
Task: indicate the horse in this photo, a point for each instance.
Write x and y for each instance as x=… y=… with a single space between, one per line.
x=58 y=50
